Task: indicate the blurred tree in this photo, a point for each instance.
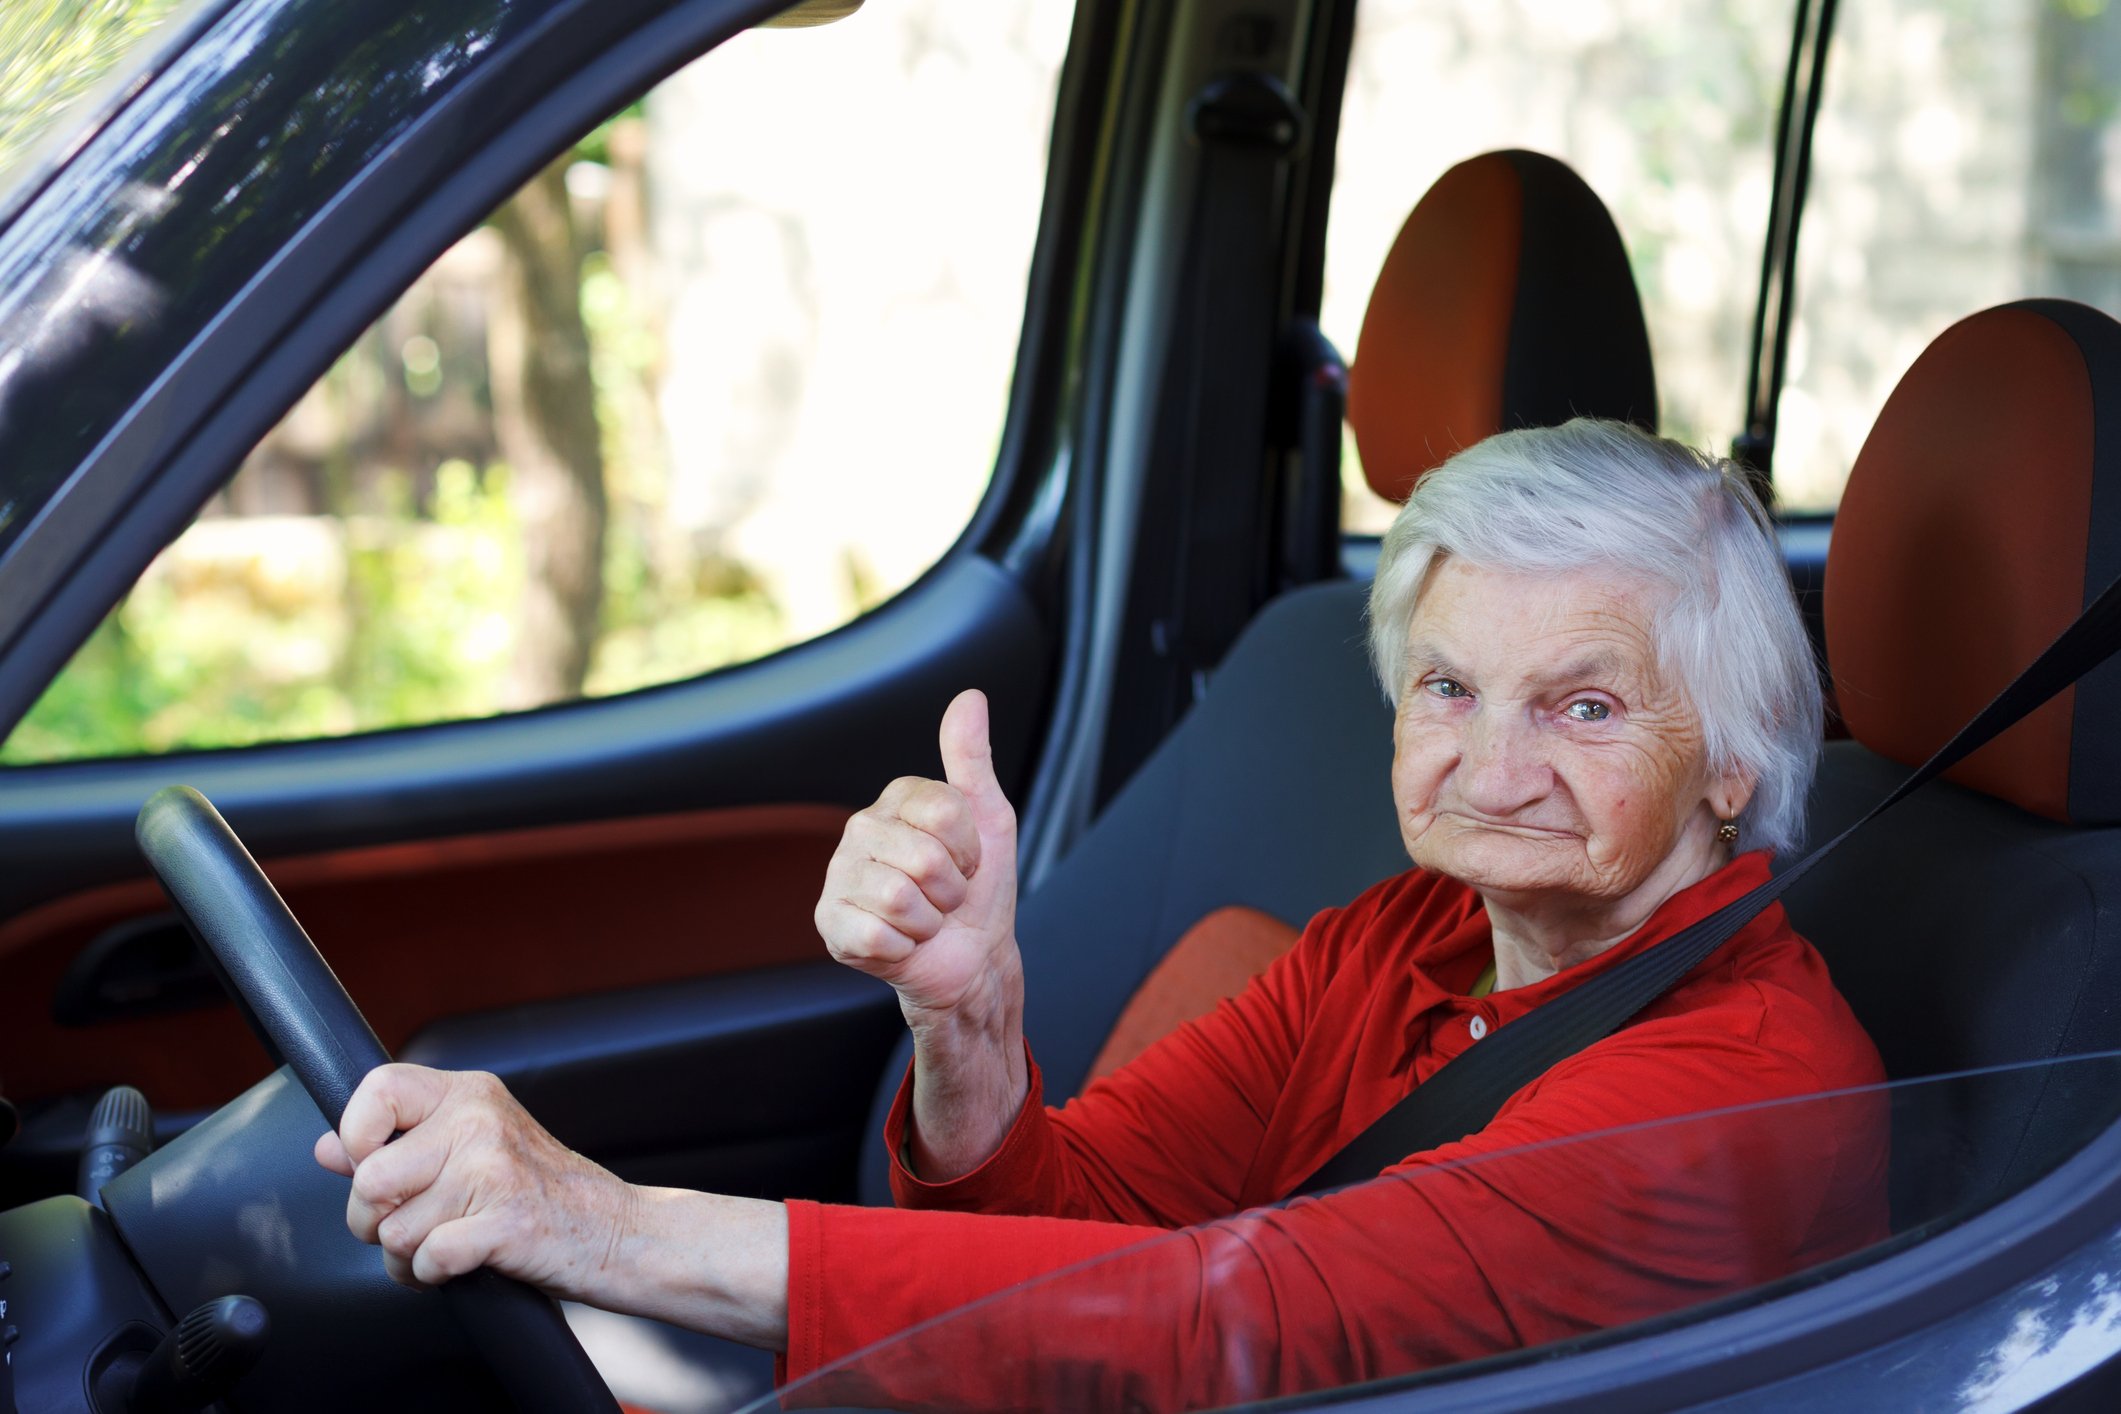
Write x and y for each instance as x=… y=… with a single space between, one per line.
x=545 y=418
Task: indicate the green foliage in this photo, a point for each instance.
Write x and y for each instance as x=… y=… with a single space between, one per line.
x=341 y=625
x=53 y=53
x=669 y=612
x=404 y=605
x=596 y=147
x=368 y=566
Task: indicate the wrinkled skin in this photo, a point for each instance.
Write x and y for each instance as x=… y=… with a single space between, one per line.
x=922 y=894
x=1542 y=757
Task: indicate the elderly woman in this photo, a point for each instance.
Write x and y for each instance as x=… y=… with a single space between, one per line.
x=1607 y=717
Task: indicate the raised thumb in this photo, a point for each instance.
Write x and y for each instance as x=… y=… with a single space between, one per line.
x=968 y=760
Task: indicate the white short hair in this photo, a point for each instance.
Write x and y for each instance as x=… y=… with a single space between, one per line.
x=1592 y=494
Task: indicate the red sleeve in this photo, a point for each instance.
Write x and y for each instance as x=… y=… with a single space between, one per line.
x=1166 y=1140
x=1458 y=1253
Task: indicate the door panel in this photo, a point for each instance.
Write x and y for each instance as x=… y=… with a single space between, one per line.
x=639 y=870
x=423 y=931
x=832 y=720
x=645 y=842
x=729 y=1084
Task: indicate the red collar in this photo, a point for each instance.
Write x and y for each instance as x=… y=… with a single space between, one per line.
x=1459 y=955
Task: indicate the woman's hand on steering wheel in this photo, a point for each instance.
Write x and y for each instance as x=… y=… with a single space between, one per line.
x=473 y=1181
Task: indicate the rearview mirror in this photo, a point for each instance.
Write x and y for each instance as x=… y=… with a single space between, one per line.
x=805 y=13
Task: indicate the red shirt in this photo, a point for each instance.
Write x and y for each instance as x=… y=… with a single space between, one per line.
x=1453 y=1256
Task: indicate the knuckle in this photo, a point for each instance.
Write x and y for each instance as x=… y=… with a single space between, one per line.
x=902 y=895
x=920 y=861
x=397 y=1237
x=844 y=934
x=938 y=868
x=492 y=1165
x=871 y=940
x=861 y=937
x=449 y=1253
x=933 y=807
x=371 y=1184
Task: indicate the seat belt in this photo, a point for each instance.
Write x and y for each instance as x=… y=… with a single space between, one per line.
x=1466 y=1093
x=1209 y=498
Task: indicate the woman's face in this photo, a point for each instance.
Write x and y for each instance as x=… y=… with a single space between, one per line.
x=1538 y=748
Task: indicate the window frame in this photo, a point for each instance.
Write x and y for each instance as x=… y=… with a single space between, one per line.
x=145 y=482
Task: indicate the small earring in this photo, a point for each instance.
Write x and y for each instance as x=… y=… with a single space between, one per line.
x=1728 y=832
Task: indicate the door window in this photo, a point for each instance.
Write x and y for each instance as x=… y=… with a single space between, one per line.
x=725 y=376
x=56 y=61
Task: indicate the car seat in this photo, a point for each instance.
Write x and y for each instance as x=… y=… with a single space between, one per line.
x=1979 y=924
x=1506 y=301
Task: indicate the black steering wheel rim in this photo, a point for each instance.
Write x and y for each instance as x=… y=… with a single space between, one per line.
x=295 y=1004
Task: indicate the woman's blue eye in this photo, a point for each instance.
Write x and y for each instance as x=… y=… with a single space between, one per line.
x=1444 y=687
x=1585 y=710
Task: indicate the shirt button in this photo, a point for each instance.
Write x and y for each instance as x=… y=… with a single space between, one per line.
x=1478 y=1026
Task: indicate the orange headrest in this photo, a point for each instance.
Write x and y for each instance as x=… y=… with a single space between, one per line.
x=1982 y=512
x=1506 y=301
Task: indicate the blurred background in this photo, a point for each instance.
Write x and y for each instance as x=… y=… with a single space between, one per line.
x=734 y=369
x=724 y=376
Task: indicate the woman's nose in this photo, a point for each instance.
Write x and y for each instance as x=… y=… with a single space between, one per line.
x=1503 y=766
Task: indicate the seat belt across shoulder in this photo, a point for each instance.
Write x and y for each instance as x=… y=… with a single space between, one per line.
x=1467 y=1093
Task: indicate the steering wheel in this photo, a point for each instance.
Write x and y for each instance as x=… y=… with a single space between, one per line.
x=296 y=1006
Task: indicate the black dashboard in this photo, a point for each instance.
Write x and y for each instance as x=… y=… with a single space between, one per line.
x=71 y=1303
x=234 y=1207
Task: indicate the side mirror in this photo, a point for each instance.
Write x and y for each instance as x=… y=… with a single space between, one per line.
x=805 y=13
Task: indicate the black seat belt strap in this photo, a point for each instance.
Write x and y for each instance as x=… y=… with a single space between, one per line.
x=1247 y=126
x=1208 y=501
x=1461 y=1098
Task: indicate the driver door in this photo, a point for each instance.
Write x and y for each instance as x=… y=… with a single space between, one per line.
x=543 y=555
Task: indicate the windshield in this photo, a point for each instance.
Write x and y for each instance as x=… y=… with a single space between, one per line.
x=1406 y=1276
x=62 y=64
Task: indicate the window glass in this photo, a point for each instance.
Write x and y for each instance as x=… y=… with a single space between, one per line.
x=727 y=375
x=55 y=58
x=1548 y=1245
x=1666 y=107
x=1968 y=153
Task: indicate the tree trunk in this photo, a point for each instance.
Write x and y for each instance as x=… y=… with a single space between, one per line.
x=545 y=419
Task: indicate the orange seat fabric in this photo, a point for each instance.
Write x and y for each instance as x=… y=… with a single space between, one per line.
x=1506 y=301
x=1973 y=529
x=1213 y=961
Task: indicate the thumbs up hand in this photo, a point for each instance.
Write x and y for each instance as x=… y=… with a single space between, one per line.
x=922 y=890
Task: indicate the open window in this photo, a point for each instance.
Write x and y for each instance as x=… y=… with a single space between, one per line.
x=681 y=402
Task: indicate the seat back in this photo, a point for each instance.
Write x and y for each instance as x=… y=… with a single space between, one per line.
x=1980 y=923
x=1507 y=287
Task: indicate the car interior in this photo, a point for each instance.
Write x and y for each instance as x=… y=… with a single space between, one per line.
x=607 y=901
